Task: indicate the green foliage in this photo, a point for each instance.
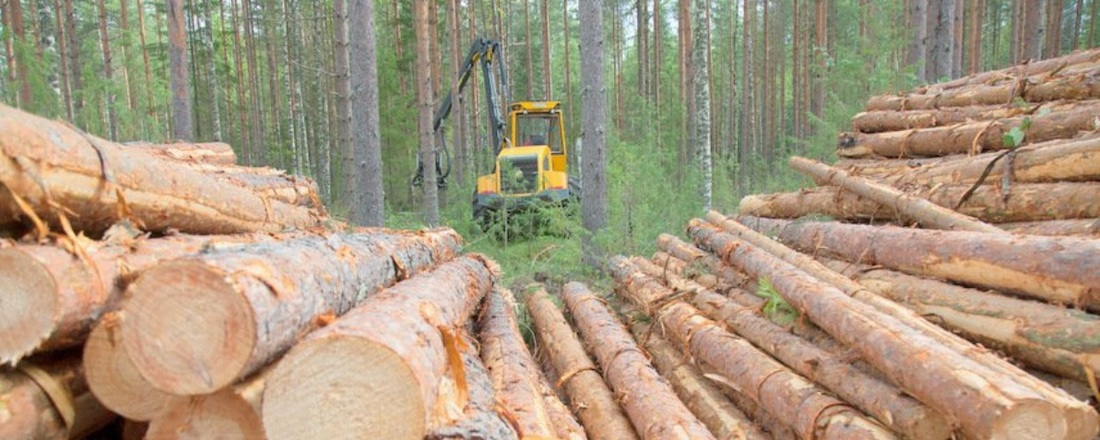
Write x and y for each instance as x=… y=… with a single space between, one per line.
x=1015 y=136
x=776 y=308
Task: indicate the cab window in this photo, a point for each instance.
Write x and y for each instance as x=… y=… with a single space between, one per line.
x=538 y=130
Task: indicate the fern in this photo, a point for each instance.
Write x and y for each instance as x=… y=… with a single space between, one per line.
x=776 y=308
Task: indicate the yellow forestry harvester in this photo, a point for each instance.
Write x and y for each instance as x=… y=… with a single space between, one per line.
x=532 y=165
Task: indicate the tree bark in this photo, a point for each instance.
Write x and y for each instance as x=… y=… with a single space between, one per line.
x=211 y=153
x=547 y=68
x=1021 y=70
x=342 y=75
x=1082 y=227
x=243 y=302
x=178 y=69
x=426 y=104
x=973 y=137
x=877 y=398
x=1069 y=86
x=589 y=395
x=594 y=155
x=108 y=71
x=691 y=254
x=1042 y=336
x=31 y=411
x=702 y=397
x=974 y=39
x=890 y=345
x=63 y=60
x=1052 y=31
x=481 y=418
x=917 y=16
x=513 y=372
x=647 y=398
x=112 y=377
x=395 y=350
x=232 y=412
x=22 y=76
x=50 y=163
x=460 y=101
x=921 y=210
x=1056 y=269
x=368 y=204
x=701 y=106
x=1027 y=202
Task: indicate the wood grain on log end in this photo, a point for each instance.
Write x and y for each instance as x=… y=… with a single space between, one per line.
x=225 y=414
x=112 y=377
x=28 y=304
x=343 y=387
x=187 y=329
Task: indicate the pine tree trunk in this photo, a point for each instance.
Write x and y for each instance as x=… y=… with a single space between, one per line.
x=343 y=103
x=917 y=16
x=974 y=41
x=594 y=156
x=112 y=377
x=63 y=59
x=460 y=146
x=368 y=203
x=547 y=68
x=22 y=76
x=530 y=51
x=426 y=104
x=1052 y=32
x=393 y=356
x=512 y=370
x=660 y=414
x=123 y=16
x=943 y=38
x=592 y=400
x=179 y=70
x=874 y=333
x=240 y=298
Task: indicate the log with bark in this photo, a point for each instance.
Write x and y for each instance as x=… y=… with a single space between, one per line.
x=481 y=418
x=647 y=398
x=916 y=208
x=232 y=412
x=1060 y=270
x=797 y=402
x=1052 y=161
x=112 y=377
x=52 y=294
x=981 y=400
x=196 y=324
x=513 y=372
x=972 y=137
x=48 y=399
x=1051 y=338
x=294 y=190
x=378 y=371
x=1076 y=85
x=688 y=252
x=1028 y=202
x=62 y=175
x=588 y=394
x=692 y=271
x=1023 y=70
x=702 y=397
x=877 y=121
x=214 y=153
x=881 y=400
x=1089 y=227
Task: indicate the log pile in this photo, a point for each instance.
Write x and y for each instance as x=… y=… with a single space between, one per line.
x=163 y=289
x=941 y=282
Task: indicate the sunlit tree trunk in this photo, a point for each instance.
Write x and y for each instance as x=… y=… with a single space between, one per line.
x=369 y=199
x=180 y=73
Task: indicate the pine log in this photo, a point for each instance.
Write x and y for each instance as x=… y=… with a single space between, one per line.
x=196 y=324
x=52 y=294
x=112 y=377
x=1089 y=227
x=294 y=190
x=1052 y=161
x=803 y=406
x=919 y=209
x=54 y=168
x=647 y=398
x=701 y=275
x=1069 y=86
x=49 y=400
x=511 y=369
x=561 y=418
x=688 y=252
x=877 y=121
x=231 y=413
x=589 y=395
x=968 y=137
x=1077 y=389
x=1060 y=270
x=214 y=153
x=995 y=405
x=1023 y=70
x=702 y=397
x=1080 y=415
x=881 y=400
x=1043 y=336
x=1028 y=202
x=376 y=371
x=774 y=428
x=481 y=418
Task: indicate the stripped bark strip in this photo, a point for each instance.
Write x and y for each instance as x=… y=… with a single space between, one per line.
x=916 y=208
x=511 y=369
x=884 y=401
x=995 y=406
x=646 y=397
x=57 y=168
x=258 y=299
x=387 y=361
x=589 y=395
x=702 y=397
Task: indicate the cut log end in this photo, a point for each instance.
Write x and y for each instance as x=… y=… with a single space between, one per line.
x=28 y=304
x=187 y=329
x=1030 y=420
x=343 y=387
x=114 y=380
x=224 y=414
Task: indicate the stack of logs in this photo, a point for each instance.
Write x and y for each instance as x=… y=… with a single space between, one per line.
x=196 y=298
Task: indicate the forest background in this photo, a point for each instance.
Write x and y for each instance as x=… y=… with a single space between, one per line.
x=271 y=78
